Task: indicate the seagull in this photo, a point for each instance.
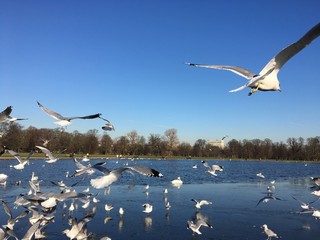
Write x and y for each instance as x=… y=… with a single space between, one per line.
x=147 y=208
x=177 y=181
x=65 y=121
x=5 y=114
x=3 y=179
x=110 y=177
x=195 y=227
x=267 y=198
x=267 y=79
x=46 y=151
x=12 y=221
x=200 y=203
x=108 y=208
x=260 y=175
x=108 y=126
x=305 y=205
x=121 y=211
x=22 y=161
x=316 y=180
x=212 y=170
x=269 y=232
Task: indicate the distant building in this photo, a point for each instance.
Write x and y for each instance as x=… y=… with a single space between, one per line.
x=217 y=143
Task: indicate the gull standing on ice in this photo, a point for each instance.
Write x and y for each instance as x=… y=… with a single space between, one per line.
x=269 y=232
x=65 y=121
x=147 y=208
x=267 y=79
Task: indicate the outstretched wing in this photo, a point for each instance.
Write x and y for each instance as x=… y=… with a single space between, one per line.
x=284 y=55
x=235 y=69
x=46 y=151
x=51 y=113
x=146 y=171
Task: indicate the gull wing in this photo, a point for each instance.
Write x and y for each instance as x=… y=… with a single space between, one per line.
x=235 y=69
x=284 y=55
x=7 y=209
x=46 y=151
x=145 y=171
x=31 y=231
x=97 y=115
x=5 y=113
x=51 y=113
x=16 y=155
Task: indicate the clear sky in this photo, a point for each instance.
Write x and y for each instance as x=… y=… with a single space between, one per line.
x=126 y=60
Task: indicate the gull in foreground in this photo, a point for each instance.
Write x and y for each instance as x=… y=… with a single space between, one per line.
x=200 y=203
x=267 y=79
x=5 y=114
x=177 y=181
x=65 y=121
x=269 y=232
x=195 y=227
x=110 y=177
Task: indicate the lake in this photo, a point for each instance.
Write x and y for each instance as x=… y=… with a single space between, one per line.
x=235 y=193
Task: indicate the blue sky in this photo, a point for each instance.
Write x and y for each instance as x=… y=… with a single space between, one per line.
x=125 y=59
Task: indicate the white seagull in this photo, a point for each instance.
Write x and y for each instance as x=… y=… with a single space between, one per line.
x=5 y=114
x=22 y=161
x=200 y=203
x=212 y=170
x=267 y=79
x=260 y=175
x=3 y=179
x=46 y=151
x=110 y=177
x=195 y=227
x=147 y=208
x=65 y=121
x=269 y=232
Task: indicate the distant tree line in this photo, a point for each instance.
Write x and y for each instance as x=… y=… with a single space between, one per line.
x=19 y=139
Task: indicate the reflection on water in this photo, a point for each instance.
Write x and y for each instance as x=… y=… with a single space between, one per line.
x=234 y=213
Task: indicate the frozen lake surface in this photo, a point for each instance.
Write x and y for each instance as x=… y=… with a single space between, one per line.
x=235 y=193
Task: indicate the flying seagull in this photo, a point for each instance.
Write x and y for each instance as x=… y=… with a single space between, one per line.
x=195 y=226
x=267 y=79
x=22 y=161
x=65 y=121
x=108 y=126
x=46 y=151
x=110 y=177
x=200 y=203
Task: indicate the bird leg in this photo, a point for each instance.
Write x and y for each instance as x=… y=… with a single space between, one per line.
x=254 y=89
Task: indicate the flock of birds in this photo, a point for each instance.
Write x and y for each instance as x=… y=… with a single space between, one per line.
x=41 y=206
x=5 y=117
